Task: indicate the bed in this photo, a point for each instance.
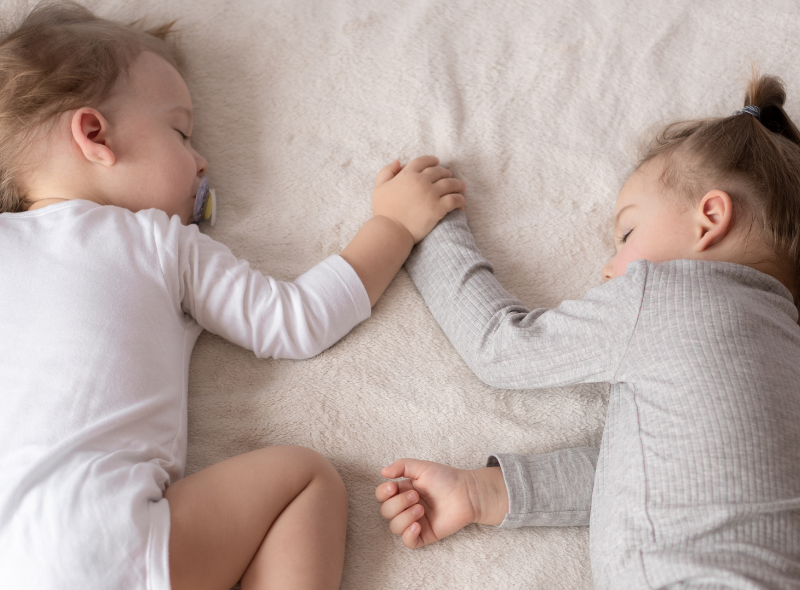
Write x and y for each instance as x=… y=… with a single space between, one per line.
x=540 y=107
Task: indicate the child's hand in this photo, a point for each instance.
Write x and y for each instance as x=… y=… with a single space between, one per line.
x=418 y=195
x=439 y=500
x=406 y=204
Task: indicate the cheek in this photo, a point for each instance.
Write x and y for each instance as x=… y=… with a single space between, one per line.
x=177 y=170
x=171 y=178
x=627 y=254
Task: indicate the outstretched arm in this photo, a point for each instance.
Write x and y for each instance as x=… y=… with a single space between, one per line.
x=503 y=342
x=301 y=318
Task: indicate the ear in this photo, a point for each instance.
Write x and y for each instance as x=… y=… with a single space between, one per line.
x=715 y=217
x=89 y=130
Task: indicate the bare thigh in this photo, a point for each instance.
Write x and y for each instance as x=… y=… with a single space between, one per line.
x=262 y=515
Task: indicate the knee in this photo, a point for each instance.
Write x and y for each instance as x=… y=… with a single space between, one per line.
x=320 y=472
x=326 y=478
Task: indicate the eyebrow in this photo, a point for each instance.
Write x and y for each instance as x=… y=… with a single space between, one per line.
x=616 y=219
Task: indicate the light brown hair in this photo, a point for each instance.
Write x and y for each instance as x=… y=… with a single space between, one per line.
x=755 y=160
x=61 y=57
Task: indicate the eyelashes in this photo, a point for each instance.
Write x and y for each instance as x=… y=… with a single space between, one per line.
x=183 y=135
x=624 y=238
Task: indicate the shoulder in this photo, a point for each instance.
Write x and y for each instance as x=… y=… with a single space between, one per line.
x=167 y=231
x=88 y=225
x=86 y=216
x=694 y=275
x=722 y=289
x=148 y=237
x=626 y=290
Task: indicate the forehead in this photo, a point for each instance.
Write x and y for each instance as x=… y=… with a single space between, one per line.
x=643 y=184
x=153 y=81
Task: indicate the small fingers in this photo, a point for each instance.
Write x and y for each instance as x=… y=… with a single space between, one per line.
x=397 y=504
x=388 y=172
x=396 y=469
x=436 y=173
x=402 y=521
x=411 y=468
x=411 y=535
x=452 y=201
x=385 y=491
x=450 y=185
x=419 y=164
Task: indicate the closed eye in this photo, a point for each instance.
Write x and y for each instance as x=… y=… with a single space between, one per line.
x=624 y=238
x=183 y=135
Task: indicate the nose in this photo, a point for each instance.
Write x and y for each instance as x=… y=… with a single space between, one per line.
x=606 y=271
x=202 y=164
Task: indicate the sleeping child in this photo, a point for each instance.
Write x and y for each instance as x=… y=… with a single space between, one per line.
x=106 y=286
x=696 y=483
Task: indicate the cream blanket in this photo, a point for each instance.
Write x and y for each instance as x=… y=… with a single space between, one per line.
x=538 y=106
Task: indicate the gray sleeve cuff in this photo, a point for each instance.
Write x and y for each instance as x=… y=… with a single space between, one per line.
x=554 y=489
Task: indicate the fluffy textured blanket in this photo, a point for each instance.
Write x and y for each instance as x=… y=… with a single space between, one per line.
x=539 y=107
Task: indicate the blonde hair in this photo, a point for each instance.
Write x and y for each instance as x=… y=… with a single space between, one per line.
x=61 y=57
x=755 y=160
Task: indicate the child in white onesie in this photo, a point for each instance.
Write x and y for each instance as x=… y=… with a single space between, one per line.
x=696 y=483
x=104 y=291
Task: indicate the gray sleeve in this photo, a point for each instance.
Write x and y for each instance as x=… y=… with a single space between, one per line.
x=505 y=344
x=554 y=489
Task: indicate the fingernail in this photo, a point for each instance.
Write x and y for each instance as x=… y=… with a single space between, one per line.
x=411 y=496
x=417 y=510
x=388 y=488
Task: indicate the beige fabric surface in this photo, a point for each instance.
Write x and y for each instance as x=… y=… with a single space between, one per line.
x=538 y=106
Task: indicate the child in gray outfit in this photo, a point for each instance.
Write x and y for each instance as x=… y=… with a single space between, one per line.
x=696 y=482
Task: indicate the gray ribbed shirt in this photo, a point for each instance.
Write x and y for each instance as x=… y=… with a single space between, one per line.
x=697 y=480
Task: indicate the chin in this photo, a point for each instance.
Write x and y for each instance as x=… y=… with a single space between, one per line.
x=188 y=217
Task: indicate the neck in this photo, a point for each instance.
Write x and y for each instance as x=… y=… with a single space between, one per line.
x=782 y=273
x=40 y=193
x=45 y=202
x=750 y=250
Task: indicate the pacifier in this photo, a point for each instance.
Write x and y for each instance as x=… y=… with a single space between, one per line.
x=205 y=203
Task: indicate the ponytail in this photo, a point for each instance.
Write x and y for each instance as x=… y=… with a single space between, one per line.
x=768 y=94
x=753 y=155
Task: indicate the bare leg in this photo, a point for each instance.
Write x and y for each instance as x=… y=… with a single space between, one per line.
x=276 y=518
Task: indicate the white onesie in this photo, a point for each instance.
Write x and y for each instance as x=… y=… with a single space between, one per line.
x=99 y=311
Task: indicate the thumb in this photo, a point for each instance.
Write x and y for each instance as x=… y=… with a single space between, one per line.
x=410 y=468
x=388 y=172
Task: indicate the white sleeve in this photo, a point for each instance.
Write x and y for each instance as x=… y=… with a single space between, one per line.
x=272 y=318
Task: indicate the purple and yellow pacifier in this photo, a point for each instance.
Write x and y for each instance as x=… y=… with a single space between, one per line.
x=205 y=203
